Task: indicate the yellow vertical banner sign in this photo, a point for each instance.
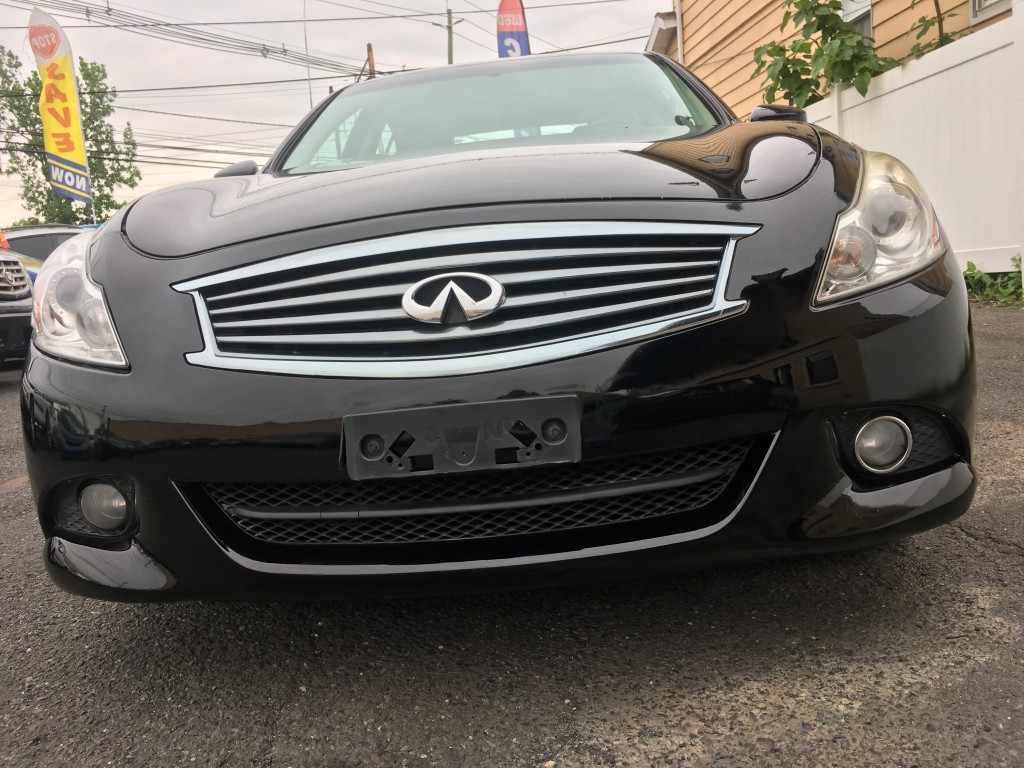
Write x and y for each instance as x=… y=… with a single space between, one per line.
x=67 y=169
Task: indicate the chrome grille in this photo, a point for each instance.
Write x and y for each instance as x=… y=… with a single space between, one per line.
x=571 y=288
x=14 y=280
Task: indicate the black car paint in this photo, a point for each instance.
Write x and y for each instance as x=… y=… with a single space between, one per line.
x=737 y=164
x=168 y=425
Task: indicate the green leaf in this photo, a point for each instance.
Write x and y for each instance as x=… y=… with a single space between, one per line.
x=861 y=82
x=825 y=51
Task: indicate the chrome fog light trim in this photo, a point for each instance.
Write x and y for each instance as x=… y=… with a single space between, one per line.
x=883 y=444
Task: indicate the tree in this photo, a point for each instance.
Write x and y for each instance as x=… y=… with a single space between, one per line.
x=923 y=25
x=829 y=51
x=111 y=162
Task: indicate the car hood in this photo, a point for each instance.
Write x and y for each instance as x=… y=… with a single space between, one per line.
x=746 y=161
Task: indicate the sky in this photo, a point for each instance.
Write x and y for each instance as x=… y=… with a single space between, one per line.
x=336 y=33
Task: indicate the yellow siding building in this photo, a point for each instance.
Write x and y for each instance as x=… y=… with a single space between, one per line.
x=719 y=36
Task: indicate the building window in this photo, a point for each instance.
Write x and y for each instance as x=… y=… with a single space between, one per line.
x=858 y=13
x=986 y=9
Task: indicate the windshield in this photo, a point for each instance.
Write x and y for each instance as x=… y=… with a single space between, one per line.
x=611 y=99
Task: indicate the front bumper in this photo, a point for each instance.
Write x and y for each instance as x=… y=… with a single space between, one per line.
x=132 y=574
x=174 y=429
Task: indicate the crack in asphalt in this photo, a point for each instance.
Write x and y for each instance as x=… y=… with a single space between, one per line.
x=981 y=536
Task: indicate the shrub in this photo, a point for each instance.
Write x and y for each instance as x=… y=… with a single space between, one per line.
x=1001 y=288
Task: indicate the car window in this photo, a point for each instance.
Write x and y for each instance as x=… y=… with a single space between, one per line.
x=386 y=144
x=40 y=245
x=36 y=246
x=332 y=148
x=637 y=99
x=348 y=143
x=61 y=237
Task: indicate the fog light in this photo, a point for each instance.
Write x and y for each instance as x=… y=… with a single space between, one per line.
x=883 y=444
x=104 y=506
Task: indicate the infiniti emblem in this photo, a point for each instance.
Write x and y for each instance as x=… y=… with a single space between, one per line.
x=453 y=298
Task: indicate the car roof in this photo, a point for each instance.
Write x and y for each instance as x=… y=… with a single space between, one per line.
x=40 y=229
x=455 y=71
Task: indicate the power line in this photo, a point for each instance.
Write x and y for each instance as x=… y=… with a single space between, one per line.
x=494 y=16
x=616 y=34
x=107 y=16
x=239 y=142
x=149 y=145
x=12 y=146
x=205 y=117
x=205 y=86
x=233 y=23
x=414 y=16
x=598 y=45
x=384 y=15
x=220 y=101
x=151 y=159
x=260 y=22
x=254 y=37
x=474 y=42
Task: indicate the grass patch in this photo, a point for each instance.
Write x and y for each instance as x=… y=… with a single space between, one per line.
x=1000 y=288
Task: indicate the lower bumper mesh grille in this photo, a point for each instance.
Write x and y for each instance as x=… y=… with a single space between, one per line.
x=483 y=506
x=419 y=529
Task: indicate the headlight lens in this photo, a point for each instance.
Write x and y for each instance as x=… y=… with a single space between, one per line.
x=890 y=231
x=69 y=314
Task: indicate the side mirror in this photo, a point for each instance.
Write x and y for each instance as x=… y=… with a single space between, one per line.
x=244 y=168
x=773 y=112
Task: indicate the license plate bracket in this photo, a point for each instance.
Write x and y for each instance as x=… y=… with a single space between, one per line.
x=502 y=434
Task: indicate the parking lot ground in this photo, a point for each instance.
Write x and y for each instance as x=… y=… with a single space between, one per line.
x=909 y=654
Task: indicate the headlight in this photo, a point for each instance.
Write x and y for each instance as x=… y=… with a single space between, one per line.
x=69 y=315
x=889 y=232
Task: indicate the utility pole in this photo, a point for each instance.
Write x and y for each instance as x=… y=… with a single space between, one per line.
x=305 y=37
x=448 y=26
x=369 y=61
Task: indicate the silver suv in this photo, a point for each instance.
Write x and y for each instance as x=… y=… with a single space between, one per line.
x=40 y=241
x=15 y=307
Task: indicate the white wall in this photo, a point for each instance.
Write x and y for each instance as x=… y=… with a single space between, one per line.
x=956 y=117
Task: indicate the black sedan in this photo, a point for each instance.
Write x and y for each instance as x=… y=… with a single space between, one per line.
x=496 y=326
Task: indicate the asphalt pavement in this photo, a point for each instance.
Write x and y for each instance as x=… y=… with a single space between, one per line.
x=906 y=655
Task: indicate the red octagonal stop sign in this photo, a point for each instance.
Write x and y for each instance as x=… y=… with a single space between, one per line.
x=44 y=40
